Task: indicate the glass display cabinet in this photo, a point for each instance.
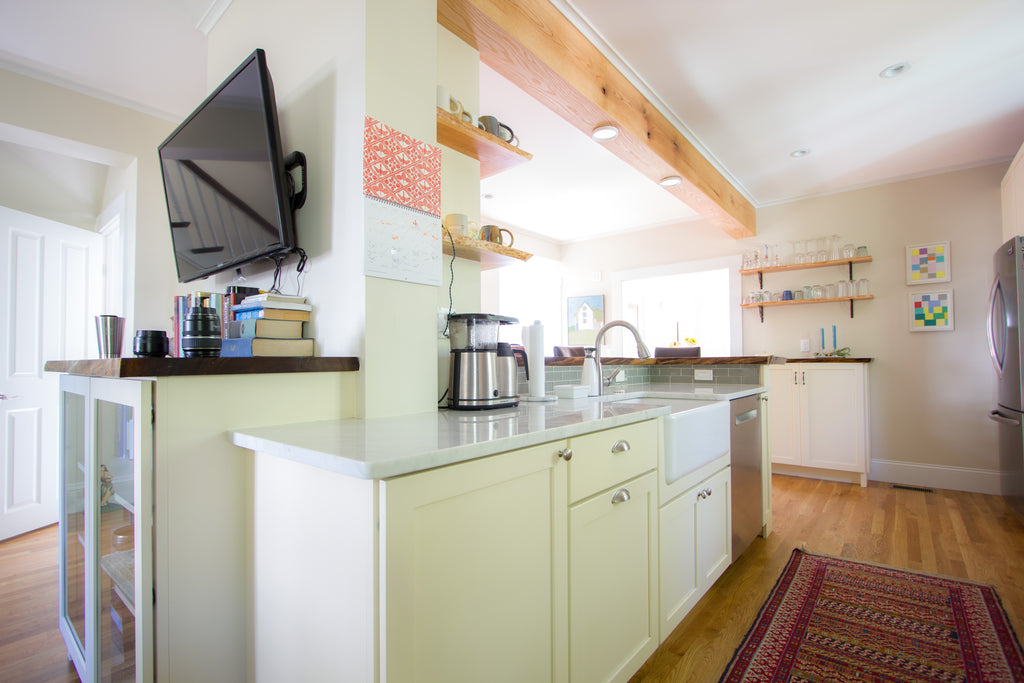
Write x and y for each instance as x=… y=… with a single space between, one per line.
x=106 y=583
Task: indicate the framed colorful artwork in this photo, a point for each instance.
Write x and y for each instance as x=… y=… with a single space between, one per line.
x=586 y=316
x=931 y=311
x=928 y=263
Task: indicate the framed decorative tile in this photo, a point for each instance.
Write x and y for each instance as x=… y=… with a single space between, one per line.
x=928 y=263
x=931 y=311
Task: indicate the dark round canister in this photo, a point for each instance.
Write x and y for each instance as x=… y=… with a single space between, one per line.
x=200 y=337
x=151 y=344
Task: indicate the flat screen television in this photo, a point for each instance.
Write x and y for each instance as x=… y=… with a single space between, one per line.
x=230 y=197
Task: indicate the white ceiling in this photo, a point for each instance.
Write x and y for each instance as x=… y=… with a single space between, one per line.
x=747 y=81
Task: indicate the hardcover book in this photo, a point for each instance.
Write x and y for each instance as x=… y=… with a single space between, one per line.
x=267 y=329
x=254 y=347
x=272 y=314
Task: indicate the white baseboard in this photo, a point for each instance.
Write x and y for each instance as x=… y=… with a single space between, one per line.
x=968 y=479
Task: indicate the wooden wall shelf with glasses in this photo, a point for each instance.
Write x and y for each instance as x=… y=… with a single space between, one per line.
x=807 y=266
x=489 y=254
x=495 y=155
x=804 y=266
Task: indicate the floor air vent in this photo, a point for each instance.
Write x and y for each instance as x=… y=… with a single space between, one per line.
x=912 y=488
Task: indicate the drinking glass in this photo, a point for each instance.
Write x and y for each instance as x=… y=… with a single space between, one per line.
x=849 y=251
x=844 y=288
x=817 y=292
x=836 y=250
x=830 y=291
x=863 y=287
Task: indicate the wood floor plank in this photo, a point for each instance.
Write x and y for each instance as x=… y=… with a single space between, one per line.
x=962 y=535
x=955 y=534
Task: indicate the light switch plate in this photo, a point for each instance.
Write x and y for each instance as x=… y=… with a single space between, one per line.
x=805 y=345
x=704 y=375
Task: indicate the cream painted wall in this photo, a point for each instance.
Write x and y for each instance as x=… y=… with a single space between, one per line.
x=458 y=69
x=1013 y=198
x=930 y=392
x=315 y=56
x=127 y=141
x=51 y=185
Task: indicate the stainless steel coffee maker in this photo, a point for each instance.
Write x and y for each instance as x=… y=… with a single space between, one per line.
x=482 y=373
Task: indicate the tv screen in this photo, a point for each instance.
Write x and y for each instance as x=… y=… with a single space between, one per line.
x=228 y=192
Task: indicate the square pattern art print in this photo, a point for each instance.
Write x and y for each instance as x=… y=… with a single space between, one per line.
x=928 y=263
x=931 y=311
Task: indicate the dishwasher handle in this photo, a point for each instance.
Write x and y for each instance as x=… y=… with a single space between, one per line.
x=997 y=416
x=746 y=417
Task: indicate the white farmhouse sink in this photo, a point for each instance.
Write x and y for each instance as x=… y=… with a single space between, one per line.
x=696 y=432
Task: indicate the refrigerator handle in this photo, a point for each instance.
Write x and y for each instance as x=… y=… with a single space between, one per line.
x=996 y=416
x=989 y=331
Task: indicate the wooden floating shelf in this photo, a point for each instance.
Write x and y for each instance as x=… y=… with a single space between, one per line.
x=798 y=302
x=489 y=254
x=495 y=155
x=805 y=266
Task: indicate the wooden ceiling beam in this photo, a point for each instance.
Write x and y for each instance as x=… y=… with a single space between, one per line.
x=536 y=47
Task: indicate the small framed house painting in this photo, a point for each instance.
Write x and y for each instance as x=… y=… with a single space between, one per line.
x=585 y=316
x=928 y=263
x=931 y=311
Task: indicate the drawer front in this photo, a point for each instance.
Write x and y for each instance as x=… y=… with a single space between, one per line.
x=603 y=459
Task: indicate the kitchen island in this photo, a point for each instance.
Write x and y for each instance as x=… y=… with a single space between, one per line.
x=473 y=546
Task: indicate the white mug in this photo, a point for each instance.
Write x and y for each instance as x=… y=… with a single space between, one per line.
x=459 y=224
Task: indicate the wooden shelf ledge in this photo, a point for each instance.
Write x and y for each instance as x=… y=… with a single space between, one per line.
x=799 y=302
x=495 y=155
x=489 y=254
x=806 y=266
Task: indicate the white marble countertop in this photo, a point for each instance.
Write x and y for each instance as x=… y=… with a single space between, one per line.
x=379 y=448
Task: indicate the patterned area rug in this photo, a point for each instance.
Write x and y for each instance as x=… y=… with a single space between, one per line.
x=833 y=620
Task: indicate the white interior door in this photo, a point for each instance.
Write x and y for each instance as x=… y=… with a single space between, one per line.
x=49 y=291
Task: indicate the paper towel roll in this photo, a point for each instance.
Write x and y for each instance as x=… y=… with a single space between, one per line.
x=535 y=358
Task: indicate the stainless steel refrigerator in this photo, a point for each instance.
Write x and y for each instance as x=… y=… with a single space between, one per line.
x=1005 y=344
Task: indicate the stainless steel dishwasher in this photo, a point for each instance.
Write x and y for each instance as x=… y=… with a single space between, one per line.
x=747 y=493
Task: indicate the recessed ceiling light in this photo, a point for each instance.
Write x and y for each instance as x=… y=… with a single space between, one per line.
x=798 y=153
x=670 y=181
x=894 y=70
x=605 y=132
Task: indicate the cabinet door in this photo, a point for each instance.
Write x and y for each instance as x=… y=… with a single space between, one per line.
x=714 y=527
x=679 y=586
x=696 y=545
x=106 y=586
x=474 y=561
x=833 y=417
x=784 y=417
x=613 y=581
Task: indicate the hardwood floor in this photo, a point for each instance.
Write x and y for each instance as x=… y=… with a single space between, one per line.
x=964 y=535
x=31 y=648
x=957 y=534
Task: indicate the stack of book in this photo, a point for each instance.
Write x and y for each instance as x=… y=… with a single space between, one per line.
x=268 y=325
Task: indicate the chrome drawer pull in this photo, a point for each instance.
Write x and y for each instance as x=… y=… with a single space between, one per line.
x=621 y=446
x=621 y=496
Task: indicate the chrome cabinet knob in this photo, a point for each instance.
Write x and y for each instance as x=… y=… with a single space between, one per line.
x=565 y=454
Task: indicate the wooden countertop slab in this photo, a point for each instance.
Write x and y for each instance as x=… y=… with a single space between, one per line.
x=556 y=361
x=171 y=367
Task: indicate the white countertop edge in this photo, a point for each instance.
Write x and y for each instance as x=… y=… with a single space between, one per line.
x=274 y=441
x=286 y=441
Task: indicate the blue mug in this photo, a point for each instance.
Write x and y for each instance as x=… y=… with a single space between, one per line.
x=787 y=295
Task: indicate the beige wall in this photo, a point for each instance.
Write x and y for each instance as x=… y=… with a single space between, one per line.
x=54 y=118
x=930 y=392
x=315 y=56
